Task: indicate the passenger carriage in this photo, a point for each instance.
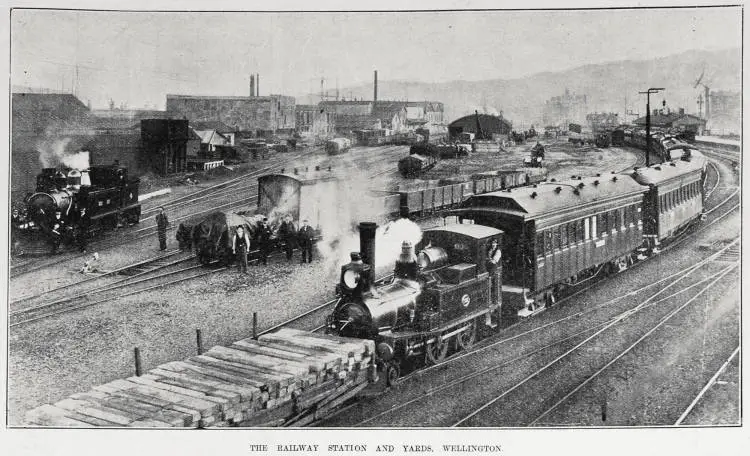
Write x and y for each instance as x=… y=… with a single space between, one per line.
x=557 y=233
x=674 y=198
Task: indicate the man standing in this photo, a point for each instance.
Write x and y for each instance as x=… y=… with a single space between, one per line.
x=162 y=222
x=58 y=229
x=264 y=240
x=306 y=237
x=288 y=235
x=82 y=229
x=494 y=255
x=240 y=248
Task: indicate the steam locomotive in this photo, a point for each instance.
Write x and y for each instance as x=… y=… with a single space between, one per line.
x=109 y=196
x=439 y=299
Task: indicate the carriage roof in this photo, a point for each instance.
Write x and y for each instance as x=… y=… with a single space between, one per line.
x=545 y=198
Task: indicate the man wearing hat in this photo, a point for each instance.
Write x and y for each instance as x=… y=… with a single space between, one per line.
x=306 y=236
x=288 y=235
x=162 y=222
x=264 y=240
x=58 y=229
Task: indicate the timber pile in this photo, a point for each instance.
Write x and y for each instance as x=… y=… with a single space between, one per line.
x=487 y=146
x=289 y=377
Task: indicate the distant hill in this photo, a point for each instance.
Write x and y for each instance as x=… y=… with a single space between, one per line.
x=607 y=85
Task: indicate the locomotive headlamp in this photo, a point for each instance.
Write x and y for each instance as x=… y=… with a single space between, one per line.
x=354 y=275
x=351 y=279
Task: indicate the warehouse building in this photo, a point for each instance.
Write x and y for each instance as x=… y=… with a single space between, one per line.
x=272 y=114
x=492 y=126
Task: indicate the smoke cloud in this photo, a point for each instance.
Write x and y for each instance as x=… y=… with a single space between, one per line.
x=350 y=204
x=53 y=153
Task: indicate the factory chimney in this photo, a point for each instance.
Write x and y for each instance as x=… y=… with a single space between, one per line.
x=257 y=85
x=252 y=85
x=375 y=90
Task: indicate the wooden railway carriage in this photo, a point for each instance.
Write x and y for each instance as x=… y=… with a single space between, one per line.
x=558 y=233
x=674 y=198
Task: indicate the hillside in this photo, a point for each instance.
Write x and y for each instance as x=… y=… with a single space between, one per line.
x=607 y=85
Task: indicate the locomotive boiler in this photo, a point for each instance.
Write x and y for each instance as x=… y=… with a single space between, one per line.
x=105 y=191
x=436 y=300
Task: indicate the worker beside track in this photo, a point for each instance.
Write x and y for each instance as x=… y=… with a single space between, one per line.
x=264 y=240
x=162 y=222
x=240 y=248
x=305 y=237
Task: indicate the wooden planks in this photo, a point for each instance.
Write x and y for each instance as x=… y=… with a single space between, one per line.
x=287 y=377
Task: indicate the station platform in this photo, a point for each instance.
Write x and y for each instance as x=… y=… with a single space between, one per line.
x=730 y=144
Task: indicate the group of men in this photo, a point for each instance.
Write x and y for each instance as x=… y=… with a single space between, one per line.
x=288 y=235
x=66 y=230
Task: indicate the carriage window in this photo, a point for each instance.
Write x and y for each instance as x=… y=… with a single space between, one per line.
x=586 y=232
x=603 y=223
x=563 y=236
x=548 y=241
x=572 y=232
x=594 y=228
x=540 y=243
x=617 y=220
x=555 y=237
x=580 y=229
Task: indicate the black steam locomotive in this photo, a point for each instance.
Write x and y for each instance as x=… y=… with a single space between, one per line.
x=109 y=196
x=440 y=299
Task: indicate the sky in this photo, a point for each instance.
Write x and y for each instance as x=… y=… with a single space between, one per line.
x=137 y=58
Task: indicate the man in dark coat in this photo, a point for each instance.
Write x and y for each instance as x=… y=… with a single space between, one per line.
x=306 y=236
x=288 y=235
x=162 y=222
x=264 y=240
x=83 y=225
x=494 y=256
x=240 y=248
x=58 y=228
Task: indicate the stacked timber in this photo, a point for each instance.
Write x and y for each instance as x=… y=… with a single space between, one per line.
x=286 y=378
x=487 y=146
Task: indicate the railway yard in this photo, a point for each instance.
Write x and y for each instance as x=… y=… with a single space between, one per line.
x=654 y=344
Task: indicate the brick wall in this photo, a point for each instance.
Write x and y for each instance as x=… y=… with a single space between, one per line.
x=246 y=113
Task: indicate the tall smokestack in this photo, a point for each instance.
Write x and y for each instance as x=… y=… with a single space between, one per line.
x=367 y=245
x=257 y=84
x=375 y=89
x=252 y=85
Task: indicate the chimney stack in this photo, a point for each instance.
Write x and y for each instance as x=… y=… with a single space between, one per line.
x=252 y=85
x=257 y=85
x=367 y=245
x=375 y=90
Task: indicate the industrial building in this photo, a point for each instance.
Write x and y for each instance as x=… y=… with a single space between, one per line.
x=491 y=126
x=564 y=109
x=666 y=119
x=272 y=114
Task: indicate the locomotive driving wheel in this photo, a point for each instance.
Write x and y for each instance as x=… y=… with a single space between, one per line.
x=465 y=339
x=436 y=350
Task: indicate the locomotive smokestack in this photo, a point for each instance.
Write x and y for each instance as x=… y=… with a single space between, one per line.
x=367 y=245
x=375 y=90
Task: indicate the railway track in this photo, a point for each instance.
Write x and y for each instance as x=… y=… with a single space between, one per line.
x=153 y=278
x=728 y=254
x=204 y=196
x=539 y=342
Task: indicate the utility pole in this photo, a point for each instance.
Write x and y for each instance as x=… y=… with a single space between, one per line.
x=648 y=120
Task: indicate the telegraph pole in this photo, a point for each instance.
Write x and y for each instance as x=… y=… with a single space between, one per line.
x=648 y=120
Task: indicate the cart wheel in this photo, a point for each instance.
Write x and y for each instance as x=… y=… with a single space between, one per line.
x=392 y=373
